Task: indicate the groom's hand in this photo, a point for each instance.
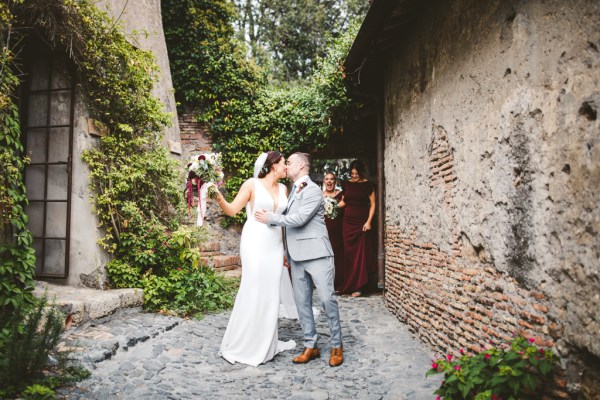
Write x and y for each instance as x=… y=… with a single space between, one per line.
x=261 y=216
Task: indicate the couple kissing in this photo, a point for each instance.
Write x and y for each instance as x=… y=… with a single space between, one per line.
x=251 y=336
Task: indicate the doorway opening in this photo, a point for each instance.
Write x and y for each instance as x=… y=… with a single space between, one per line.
x=47 y=113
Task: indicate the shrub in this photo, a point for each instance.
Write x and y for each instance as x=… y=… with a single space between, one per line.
x=188 y=290
x=166 y=265
x=31 y=335
x=515 y=370
x=201 y=290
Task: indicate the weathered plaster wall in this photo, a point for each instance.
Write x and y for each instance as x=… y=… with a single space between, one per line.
x=142 y=20
x=492 y=171
x=86 y=258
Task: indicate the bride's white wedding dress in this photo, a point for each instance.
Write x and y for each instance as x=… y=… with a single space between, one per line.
x=251 y=334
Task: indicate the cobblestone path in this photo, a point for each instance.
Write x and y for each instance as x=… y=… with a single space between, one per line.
x=139 y=355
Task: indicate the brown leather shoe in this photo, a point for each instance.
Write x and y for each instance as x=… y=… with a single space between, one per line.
x=307 y=355
x=337 y=357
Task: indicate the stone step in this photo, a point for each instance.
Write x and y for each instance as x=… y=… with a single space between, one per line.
x=221 y=262
x=233 y=273
x=91 y=344
x=82 y=305
x=210 y=247
x=210 y=253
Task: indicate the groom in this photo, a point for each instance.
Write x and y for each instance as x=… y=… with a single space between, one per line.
x=310 y=255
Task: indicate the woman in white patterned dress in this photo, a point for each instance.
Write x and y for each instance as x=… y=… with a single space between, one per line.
x=251 y=334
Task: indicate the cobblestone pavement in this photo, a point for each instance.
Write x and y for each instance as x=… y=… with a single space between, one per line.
x=139 y=355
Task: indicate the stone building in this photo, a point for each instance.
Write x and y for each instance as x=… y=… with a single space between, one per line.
x=57 y=128
x=487 y=116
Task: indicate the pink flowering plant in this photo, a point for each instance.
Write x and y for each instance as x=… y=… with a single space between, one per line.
x=515 y=370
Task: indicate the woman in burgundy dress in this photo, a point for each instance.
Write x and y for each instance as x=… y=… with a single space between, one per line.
x=359 y=199
x=334 y=228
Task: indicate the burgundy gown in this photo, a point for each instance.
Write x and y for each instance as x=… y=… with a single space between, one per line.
x=358 y=246
x=334 y=229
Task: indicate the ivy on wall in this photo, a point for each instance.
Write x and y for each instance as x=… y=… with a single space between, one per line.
x=208 y=65
x=129 y=164
x=257 y=116
x=17 y=259
x=137 y=184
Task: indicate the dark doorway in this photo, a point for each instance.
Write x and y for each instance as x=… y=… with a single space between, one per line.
x=359 y=140
x=47 y=110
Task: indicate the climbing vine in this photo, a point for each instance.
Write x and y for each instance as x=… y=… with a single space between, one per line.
x=208 y=65
x=17 y=259
x=137 y=184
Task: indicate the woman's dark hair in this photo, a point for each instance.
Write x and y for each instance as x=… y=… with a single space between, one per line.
x=273 y=158
x=359 y=167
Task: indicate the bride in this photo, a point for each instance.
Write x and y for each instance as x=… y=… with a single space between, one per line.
x=251 y=334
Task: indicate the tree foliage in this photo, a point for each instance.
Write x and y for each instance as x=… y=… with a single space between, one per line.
x=288 y=37
x=208 y=65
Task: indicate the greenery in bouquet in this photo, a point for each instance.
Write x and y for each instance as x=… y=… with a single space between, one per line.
x=331 y=208
x=511 y=371
x=202 y=169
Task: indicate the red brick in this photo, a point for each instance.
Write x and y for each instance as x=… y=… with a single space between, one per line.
x=540 y=308
x=537 y=295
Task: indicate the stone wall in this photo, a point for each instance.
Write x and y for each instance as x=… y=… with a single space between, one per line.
x=492 y=179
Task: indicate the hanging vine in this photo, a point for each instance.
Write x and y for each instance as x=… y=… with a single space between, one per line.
x=137 y=184
x=17 y=259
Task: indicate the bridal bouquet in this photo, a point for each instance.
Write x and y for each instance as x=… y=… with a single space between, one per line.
x=202 y=170
x=331 y=208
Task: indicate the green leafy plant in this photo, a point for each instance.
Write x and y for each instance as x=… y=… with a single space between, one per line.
x=208 y=64
x=38 y=392
x=511 y=371
x=166 y=265
x=32 y=333
x=295 y=117
x=17 y=257
x=201 y=290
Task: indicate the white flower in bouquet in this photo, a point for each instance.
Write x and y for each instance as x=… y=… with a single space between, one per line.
x=331 y=208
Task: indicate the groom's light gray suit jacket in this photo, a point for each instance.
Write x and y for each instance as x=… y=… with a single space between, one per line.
x=305 y=230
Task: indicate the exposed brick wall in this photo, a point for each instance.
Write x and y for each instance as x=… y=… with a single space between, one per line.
x=456 y=298
x=195 y=136
x=453 y=298
x=452 y=302
x=455 y=302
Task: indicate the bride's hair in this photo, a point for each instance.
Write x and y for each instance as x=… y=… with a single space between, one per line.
x=273 y=158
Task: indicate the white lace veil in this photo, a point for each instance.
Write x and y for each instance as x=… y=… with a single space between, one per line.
x=260 y=162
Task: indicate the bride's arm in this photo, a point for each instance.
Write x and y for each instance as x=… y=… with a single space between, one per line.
x=239 y=202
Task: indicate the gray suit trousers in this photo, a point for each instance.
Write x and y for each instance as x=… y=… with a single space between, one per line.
x=320 y=272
